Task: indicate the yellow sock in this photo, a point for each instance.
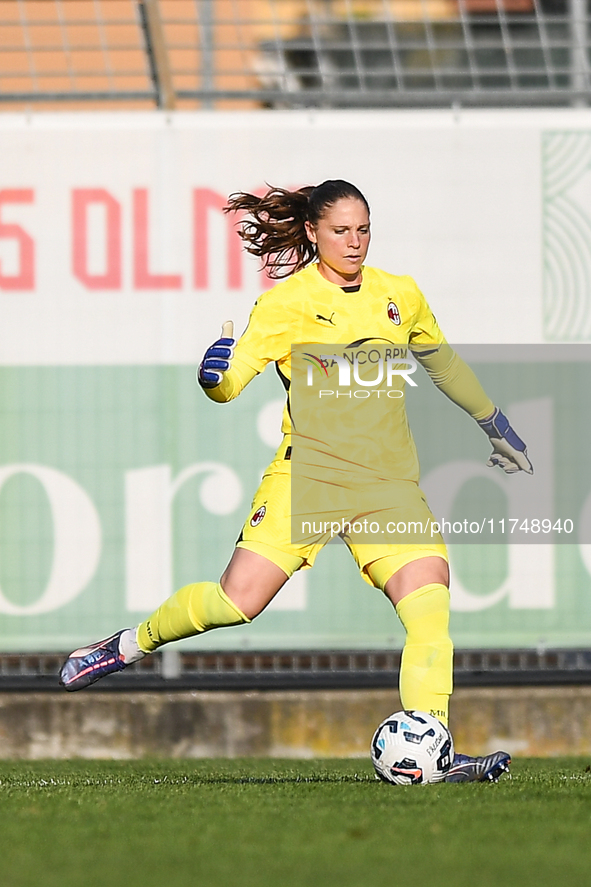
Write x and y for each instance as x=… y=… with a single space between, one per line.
x=426 y=667
x=192 y=610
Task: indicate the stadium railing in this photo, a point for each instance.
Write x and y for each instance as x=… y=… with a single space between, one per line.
x=299 y=670
x=294 y=53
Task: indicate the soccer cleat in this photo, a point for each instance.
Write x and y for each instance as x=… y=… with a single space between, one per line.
x=88 y=664
x=489 y=768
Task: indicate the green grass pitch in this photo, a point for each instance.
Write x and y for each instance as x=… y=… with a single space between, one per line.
x=269 y=823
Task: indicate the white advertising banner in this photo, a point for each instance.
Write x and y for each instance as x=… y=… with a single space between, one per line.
x=120 y=482
x=114 y=250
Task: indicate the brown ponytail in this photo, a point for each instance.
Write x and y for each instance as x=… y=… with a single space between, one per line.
x=275 y=231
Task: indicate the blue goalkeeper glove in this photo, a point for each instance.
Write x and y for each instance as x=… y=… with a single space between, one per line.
x=217 y=359
x=509 y=451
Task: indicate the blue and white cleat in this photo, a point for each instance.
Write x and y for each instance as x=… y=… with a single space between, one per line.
x=88 y=664
x=489 y=768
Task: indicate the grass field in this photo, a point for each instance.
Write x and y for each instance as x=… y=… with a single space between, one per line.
x=262 y=823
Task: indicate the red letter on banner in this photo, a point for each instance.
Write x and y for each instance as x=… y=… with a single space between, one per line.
x=143 y=279
x=25 y=279
x=81 y=200
x=205 y=199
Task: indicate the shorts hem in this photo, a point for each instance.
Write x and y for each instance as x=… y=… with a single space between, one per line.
x=289 y=563
x=396 y=561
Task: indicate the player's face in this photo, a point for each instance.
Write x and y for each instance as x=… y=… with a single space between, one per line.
x=342 y=237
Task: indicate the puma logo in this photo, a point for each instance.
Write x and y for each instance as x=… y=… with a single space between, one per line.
x=326 y=319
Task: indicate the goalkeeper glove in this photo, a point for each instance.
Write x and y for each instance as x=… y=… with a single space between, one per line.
x=509 y=451
x=216 y=360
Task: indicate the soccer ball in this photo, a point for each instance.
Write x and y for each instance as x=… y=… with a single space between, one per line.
x=412 y=748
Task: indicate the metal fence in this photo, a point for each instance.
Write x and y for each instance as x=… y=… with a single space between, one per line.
x=299 y=670
x=293 y=53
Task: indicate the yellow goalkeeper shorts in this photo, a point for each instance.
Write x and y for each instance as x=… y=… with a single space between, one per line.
x=268 y=528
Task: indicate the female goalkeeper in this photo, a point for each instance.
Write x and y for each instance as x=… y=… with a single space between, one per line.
x=317 y=238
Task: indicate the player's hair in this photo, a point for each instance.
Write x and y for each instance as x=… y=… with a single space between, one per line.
x=275 y=231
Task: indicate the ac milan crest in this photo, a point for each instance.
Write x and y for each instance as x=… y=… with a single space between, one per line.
x=258 y=516
x=394 y=313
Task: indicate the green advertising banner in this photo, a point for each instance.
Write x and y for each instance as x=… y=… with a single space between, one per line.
x=120 y=481
x=120 y=484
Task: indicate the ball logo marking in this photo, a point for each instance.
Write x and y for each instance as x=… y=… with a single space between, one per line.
x=411 y=748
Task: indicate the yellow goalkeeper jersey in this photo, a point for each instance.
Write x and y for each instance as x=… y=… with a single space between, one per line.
x=361 y=438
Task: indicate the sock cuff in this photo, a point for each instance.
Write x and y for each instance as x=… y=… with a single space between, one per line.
x=191 y=610
x=424 y=600
x=224 y=597
x=144 y=645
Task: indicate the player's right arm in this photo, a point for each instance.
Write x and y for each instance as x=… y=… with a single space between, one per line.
x=229 y=365
x=221 y=377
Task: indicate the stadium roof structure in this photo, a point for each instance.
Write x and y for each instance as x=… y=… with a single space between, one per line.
x=189 y=54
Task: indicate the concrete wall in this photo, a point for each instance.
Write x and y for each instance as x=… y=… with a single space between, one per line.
x=524 y=721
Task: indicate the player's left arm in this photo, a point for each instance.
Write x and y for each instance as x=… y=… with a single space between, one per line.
x=509 y=451
x=454 y=377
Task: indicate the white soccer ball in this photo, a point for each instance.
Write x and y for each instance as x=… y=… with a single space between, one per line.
x=412 y=748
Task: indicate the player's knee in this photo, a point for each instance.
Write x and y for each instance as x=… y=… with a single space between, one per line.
x=425 y=613
x=250 y=597
x=243 y=597
x=251 y=581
